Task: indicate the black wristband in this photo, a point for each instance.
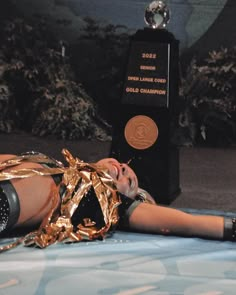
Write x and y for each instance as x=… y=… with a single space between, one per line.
x=10 y=197
x=229 y=229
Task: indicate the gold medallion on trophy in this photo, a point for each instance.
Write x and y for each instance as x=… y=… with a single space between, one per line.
x=141 y=132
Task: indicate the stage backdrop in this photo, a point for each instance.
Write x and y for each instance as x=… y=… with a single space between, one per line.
x=94 y=37
x=196 y=23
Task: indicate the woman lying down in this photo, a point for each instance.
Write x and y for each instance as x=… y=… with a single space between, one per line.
x=86 y=201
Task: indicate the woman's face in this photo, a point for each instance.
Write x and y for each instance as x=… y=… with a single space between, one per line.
x=124 y=177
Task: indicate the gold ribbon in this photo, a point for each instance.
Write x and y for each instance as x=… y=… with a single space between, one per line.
x=78 y=178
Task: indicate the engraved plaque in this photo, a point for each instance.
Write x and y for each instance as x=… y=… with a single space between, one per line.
x=147 y=78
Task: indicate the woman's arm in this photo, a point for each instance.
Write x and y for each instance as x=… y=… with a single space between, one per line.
x=168 y=221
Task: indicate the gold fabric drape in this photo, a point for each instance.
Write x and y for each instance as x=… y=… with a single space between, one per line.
x=78 y=178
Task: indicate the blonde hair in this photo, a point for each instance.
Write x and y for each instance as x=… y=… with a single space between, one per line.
x=144 y=196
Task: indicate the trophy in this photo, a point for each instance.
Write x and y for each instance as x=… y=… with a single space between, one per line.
x=142 y=131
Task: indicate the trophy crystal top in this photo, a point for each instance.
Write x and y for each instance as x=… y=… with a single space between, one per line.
x=157 y=15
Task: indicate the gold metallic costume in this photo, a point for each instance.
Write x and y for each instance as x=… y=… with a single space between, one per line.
x=78 y=179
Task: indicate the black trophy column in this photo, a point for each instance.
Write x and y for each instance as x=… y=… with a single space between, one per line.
x=142 y=127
